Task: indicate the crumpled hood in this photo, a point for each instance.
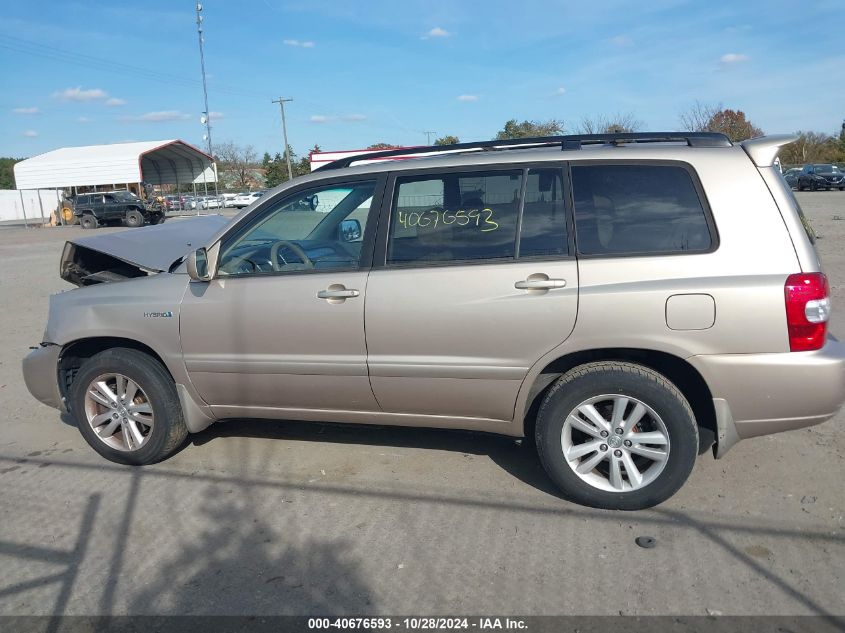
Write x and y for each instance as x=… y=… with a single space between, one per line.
x=135 y=252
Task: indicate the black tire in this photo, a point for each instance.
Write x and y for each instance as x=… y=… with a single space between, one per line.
x=134 y=218
x=88 y=221
x=168 y=431
x=628 y=379
x=157 y=219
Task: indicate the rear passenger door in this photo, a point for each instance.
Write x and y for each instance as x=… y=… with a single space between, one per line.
x=474 y=279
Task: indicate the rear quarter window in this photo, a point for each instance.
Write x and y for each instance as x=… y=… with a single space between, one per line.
x=638 y=209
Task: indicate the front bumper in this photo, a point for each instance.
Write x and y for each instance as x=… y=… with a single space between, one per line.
x=759 y=394
x=41 y=375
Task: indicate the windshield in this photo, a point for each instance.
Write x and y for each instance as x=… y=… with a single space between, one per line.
x=827 y=167
x=125 y=196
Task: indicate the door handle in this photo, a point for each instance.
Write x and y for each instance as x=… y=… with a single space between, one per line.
x=337 y=291
x=540 y=284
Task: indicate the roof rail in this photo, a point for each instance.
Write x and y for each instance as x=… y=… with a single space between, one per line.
x=567 y=142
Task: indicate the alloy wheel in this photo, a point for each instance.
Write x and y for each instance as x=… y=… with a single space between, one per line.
x=119 y=412
x=615 y=443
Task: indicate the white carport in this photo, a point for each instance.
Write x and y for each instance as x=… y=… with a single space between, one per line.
x=167 y=162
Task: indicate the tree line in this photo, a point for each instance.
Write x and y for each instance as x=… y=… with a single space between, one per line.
x=240 y=168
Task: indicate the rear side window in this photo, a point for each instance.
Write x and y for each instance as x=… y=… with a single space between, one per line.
x=455 y=216
x=543 y=232
x=638 y=209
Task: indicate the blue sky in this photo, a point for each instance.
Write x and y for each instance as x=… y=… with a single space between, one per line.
x=77 y=73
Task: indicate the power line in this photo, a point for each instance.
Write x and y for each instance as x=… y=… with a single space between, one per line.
x=35 y=49
x=428 y=134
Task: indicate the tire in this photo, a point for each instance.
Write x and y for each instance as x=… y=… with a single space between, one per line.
x=157 y=219
x=166 y=431
x=602 y=383
x=88 y=221
x=134 y=218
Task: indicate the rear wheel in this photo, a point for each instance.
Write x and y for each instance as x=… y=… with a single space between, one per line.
x=616 y=435
x=134 y=218
x=126 y=407
x=88 y=221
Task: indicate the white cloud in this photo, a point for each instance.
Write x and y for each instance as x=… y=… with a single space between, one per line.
x=560 y=91
x=215 y=116
x=300 y=43
x=83 y=119
x=437 y=32
x=32 y=110
x=621 y=41
x=78 y=94
x=468 y=98
x=349 y=118
x=161 y=116
x=30 y=133
x=114 y=102
x=733 y=58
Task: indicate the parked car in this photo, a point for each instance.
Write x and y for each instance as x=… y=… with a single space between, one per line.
x=791 y=177
x=821 y=176
x=228 y=199
x=610 y=303
x=245 y=199
x=211 y=202
x=96 y=209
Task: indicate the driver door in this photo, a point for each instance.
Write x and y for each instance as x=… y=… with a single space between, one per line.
x=279 y=331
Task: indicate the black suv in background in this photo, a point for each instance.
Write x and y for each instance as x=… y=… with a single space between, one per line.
x=815 y=177
x=95 y=209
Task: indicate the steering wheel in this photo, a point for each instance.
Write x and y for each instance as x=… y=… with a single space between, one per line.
x=274 y=254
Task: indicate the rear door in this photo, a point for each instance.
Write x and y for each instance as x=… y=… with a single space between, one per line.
x=473 y=281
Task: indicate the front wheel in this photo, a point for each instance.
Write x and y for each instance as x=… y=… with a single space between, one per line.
x=126 y=407
x=134 y=219
x=616 y=435
x=88 y=221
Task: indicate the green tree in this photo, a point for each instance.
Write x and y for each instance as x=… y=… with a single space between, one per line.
x=527 y=129
x=7 y=174
x=447 y=140
x=275 y=170
x=378 y=146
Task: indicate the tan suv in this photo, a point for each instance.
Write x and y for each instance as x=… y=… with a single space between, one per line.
x=628 y=301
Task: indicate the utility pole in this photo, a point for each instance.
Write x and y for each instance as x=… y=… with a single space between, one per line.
x=281 y=101
x=428 y=134
x=206 y=118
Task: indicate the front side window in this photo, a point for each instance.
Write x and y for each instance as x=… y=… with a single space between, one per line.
x=638 y=209
x=318 y=229
x=454 y=216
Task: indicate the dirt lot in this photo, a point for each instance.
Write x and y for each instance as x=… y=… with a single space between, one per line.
x=266 y=518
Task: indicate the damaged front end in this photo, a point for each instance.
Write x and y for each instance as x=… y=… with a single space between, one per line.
x=135 y=253
x=83 y=266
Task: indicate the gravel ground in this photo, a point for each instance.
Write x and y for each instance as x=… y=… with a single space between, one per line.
x=291 y=518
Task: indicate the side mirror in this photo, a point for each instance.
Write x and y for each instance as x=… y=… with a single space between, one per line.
x=349 y=230
x=197 y=264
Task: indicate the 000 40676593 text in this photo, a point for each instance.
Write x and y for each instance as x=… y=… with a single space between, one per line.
x=483 y=218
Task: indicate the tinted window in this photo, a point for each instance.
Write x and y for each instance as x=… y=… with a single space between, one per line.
x=543 y=231
x=637 y=209
x=454 y=216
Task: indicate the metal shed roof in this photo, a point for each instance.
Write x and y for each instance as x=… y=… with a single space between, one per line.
x=158 y=162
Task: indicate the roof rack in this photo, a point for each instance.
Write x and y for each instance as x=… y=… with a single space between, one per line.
x=567 y=142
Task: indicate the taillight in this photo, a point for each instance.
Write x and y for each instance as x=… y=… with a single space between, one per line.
x=807 y=310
